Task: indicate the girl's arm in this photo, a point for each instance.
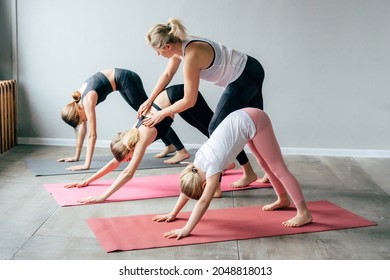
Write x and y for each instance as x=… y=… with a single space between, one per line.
x=92 y=135
x=110 y=166
x=81 y=132
x=80 y=135
x=165 y=78
x=125 y=175
x=191 y=69
x=212 y=183
x=180 y=203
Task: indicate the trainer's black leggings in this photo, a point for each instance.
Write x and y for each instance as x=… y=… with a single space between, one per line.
x=198 y=116
x=131 y=88
x=246 y=91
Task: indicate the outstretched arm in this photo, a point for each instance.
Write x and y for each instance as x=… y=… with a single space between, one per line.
x=212 y=183
x=163 y=81
x=92 y=135
x=180 y=203
x=123 y=177
x=80 y=136
x=191 y=71
x=110 y=166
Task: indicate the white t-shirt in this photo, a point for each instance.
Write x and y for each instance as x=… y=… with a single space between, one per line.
x=226 y=142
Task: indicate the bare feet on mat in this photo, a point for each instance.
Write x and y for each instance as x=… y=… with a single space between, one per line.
x=265 y=179
x=218 y=193
x=230 y=167
x=167 y=150
x=244 y=181
x=280 y=203
x=178 y=157
x=299 y=220
x=302 y=218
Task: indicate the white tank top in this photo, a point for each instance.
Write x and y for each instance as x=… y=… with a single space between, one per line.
x=227 y=66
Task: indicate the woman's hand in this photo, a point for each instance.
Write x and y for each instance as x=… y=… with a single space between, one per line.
x=76 y=185
x=68 y=159
x=176 y=233
x=77 y=167
x=92 y=199
x=164 y=218
x=154 y=119
x=143 y=108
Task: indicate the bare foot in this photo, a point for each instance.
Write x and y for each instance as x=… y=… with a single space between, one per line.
x=265 y=179
x=178 y=157
x=278 y=204
x=230 y=167
x=167 y=150
x=218 y=193
x=244 y=181
x=299 y=220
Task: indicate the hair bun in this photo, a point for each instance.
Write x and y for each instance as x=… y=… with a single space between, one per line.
x=76 y=96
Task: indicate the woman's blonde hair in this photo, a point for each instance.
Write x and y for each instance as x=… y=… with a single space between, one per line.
x=122 y=143
x=171 y=32
x=190 y=182
x=70 y=113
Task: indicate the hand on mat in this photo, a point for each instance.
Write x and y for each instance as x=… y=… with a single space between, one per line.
x=77 y=167
x=68 y=159
x=176 y=233
x=76 y=185
x=166 y=217
x=91 y=199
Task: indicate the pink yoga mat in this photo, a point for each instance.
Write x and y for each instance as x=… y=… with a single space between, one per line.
x=137 y=188
x=140 y=232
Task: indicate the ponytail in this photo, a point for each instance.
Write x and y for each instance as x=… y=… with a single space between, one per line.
x=76 y=96
x=123 y=143
x=70 y=113
x=190 y=182
x=171 y=32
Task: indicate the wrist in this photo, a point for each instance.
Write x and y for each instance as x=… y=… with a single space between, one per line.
x=170 y=111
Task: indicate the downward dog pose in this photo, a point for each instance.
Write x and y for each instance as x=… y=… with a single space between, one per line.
x=240 y=75
x=201 y=180
x=80 y=113
x=131 y=145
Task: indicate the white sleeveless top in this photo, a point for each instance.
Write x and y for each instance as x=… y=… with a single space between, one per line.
x=227 y=66
x=225 y=143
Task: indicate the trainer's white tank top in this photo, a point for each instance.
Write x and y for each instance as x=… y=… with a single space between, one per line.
x=227 y=66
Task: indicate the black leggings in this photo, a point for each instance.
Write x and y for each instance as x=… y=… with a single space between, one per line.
x=246 y=91
x=198 y=116
x=131 y=88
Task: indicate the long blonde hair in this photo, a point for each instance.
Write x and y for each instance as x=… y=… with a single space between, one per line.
x=70 y=113
x=190 y=182
x=163 y=33
x=123 y=143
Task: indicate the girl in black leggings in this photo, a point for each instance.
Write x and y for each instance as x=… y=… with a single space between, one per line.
x=80 y=113
x=132 y=144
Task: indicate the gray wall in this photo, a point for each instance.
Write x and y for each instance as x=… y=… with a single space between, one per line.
x=6 y=59
x=327 y=63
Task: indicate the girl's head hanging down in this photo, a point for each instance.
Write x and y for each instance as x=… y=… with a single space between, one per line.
x=164 y=33
x=191 y=183
x=71 y=112
x=123 y=143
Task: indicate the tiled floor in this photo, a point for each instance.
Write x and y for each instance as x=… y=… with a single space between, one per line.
x=34 y=227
